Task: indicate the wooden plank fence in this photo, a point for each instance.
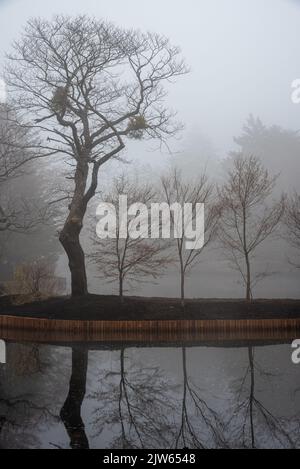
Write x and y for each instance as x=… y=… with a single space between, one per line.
x=176 y=330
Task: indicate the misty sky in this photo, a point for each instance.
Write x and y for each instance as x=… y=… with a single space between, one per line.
x=243 y=54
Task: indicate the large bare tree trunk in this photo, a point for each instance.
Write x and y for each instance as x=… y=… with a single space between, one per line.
x=70 y=241
x=70 y=234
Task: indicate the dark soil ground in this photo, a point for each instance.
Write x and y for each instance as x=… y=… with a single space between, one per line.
x=96 y=307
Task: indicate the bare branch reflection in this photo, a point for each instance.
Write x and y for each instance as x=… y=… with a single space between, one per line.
x=138 y=400
x=201 y=427
x=253 y=423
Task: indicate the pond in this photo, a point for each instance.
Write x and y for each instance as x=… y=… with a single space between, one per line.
x=213 y=395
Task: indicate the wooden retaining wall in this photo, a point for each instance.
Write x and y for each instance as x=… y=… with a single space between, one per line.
x=12 y=327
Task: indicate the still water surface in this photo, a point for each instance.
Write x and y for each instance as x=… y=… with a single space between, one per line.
x=216 y=396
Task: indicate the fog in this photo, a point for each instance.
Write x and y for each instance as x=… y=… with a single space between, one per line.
x=243 y=54
x=243 y=57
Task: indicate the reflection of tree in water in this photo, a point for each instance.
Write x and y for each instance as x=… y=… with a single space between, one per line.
x=200 y=426
x=139 y=401
x=12 y=409
x=71 y=410
x=136 y=406
x=25 y=359
x=24 y=406
x=144 y=404
x=252 y=422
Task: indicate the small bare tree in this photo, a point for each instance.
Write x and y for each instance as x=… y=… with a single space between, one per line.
x=247 y=220
x=127 y=259
x=292 y=223
x=17 y=151
x=177 y=190
x=87 y=85
x=35 y=279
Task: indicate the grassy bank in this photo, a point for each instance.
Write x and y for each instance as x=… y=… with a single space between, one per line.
x=97 y=307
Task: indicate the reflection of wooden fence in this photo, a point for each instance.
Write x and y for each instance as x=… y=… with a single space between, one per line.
x=18 y=328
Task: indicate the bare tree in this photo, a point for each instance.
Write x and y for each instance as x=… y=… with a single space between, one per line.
x=17 y=150
x=247 y=219
x=200 y=191
x=129 y=259
x=88 y=85
x=292 y=222
x=35 y=278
